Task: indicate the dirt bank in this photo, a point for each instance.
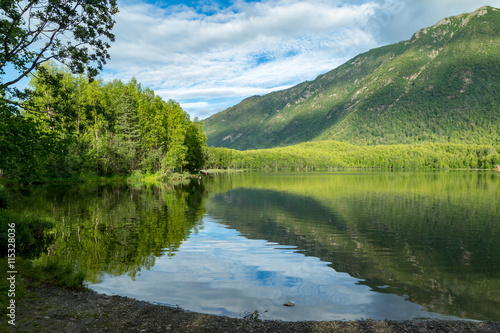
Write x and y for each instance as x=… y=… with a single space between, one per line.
x=55 y=309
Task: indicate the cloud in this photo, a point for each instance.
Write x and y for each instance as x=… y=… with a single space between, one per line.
x=204 y=53
x=203 y=102
x=152 y=35
x=397 y=20
x=244 y=49
x=219 y=271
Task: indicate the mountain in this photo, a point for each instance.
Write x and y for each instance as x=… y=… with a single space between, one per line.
x=442 y=85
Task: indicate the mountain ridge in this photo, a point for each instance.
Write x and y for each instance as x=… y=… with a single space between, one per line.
x=441 y=85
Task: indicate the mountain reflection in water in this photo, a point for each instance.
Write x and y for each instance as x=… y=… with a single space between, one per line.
x=339 y=246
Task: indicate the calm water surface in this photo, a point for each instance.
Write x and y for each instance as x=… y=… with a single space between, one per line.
x=340 y=246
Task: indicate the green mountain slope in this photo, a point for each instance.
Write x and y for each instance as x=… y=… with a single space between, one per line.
x=442 y=85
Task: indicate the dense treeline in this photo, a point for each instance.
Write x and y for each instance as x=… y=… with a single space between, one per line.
x=73 y=126
x=328 y=155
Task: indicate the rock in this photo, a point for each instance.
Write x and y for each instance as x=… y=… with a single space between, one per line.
x=288 y=304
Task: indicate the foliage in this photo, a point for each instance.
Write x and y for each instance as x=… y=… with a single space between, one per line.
x=114 y=228
x=73 y=32
x=195 y=140
x=32 y=237
x=26 y=148
x=330 y=155
x=441 y=86
x=74 y=126
x=52 y=272
x=32 y=233
x=4 y=197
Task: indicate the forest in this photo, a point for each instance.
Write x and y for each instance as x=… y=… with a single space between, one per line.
x=425 y=103
x=332 y=155
x=72 y=126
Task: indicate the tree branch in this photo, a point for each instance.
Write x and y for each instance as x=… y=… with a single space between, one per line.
x=49 y=20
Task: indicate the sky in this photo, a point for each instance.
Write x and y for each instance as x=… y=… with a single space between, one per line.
x=209 y=55
x=219 y=271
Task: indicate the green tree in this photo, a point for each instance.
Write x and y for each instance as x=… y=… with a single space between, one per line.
x=127 y=132
x=73 y=32
x=195 y=142
x=72 y=125
x=177 y=119
x=26 y=148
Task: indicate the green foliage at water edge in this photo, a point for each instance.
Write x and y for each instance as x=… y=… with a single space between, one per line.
x=74 y=126
x=330 y=155
x=32 y=233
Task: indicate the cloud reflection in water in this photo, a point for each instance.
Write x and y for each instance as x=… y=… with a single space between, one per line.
x=219 y=271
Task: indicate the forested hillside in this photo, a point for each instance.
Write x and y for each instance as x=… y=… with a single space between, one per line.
x=442 y=85
x=73 y=126
x=333 y=155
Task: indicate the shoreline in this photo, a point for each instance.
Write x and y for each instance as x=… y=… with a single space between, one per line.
x=48 y=308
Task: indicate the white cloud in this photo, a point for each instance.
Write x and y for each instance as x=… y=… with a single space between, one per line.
x=213 y=93
x=254 y=48
x=221 y=272
x=397 y=20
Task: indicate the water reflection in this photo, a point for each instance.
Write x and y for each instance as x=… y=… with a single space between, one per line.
x=340 y=246
x=117 y=229
x=221 y=272
x=432 y=236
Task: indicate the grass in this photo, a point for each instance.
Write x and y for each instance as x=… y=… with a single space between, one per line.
x=217 y=171
x=173 y=178
x=32 y=236
x=30 y=274
x=57 y=274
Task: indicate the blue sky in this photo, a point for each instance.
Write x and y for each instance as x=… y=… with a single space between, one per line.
x=209 y=55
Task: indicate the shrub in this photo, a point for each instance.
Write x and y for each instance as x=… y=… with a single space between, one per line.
x=31 y=233
x=4 y=197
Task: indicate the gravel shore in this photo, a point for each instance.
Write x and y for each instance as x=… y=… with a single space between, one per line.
x=54 y=309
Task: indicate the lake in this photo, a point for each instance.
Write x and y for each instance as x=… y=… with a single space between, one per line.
x=338 y=246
